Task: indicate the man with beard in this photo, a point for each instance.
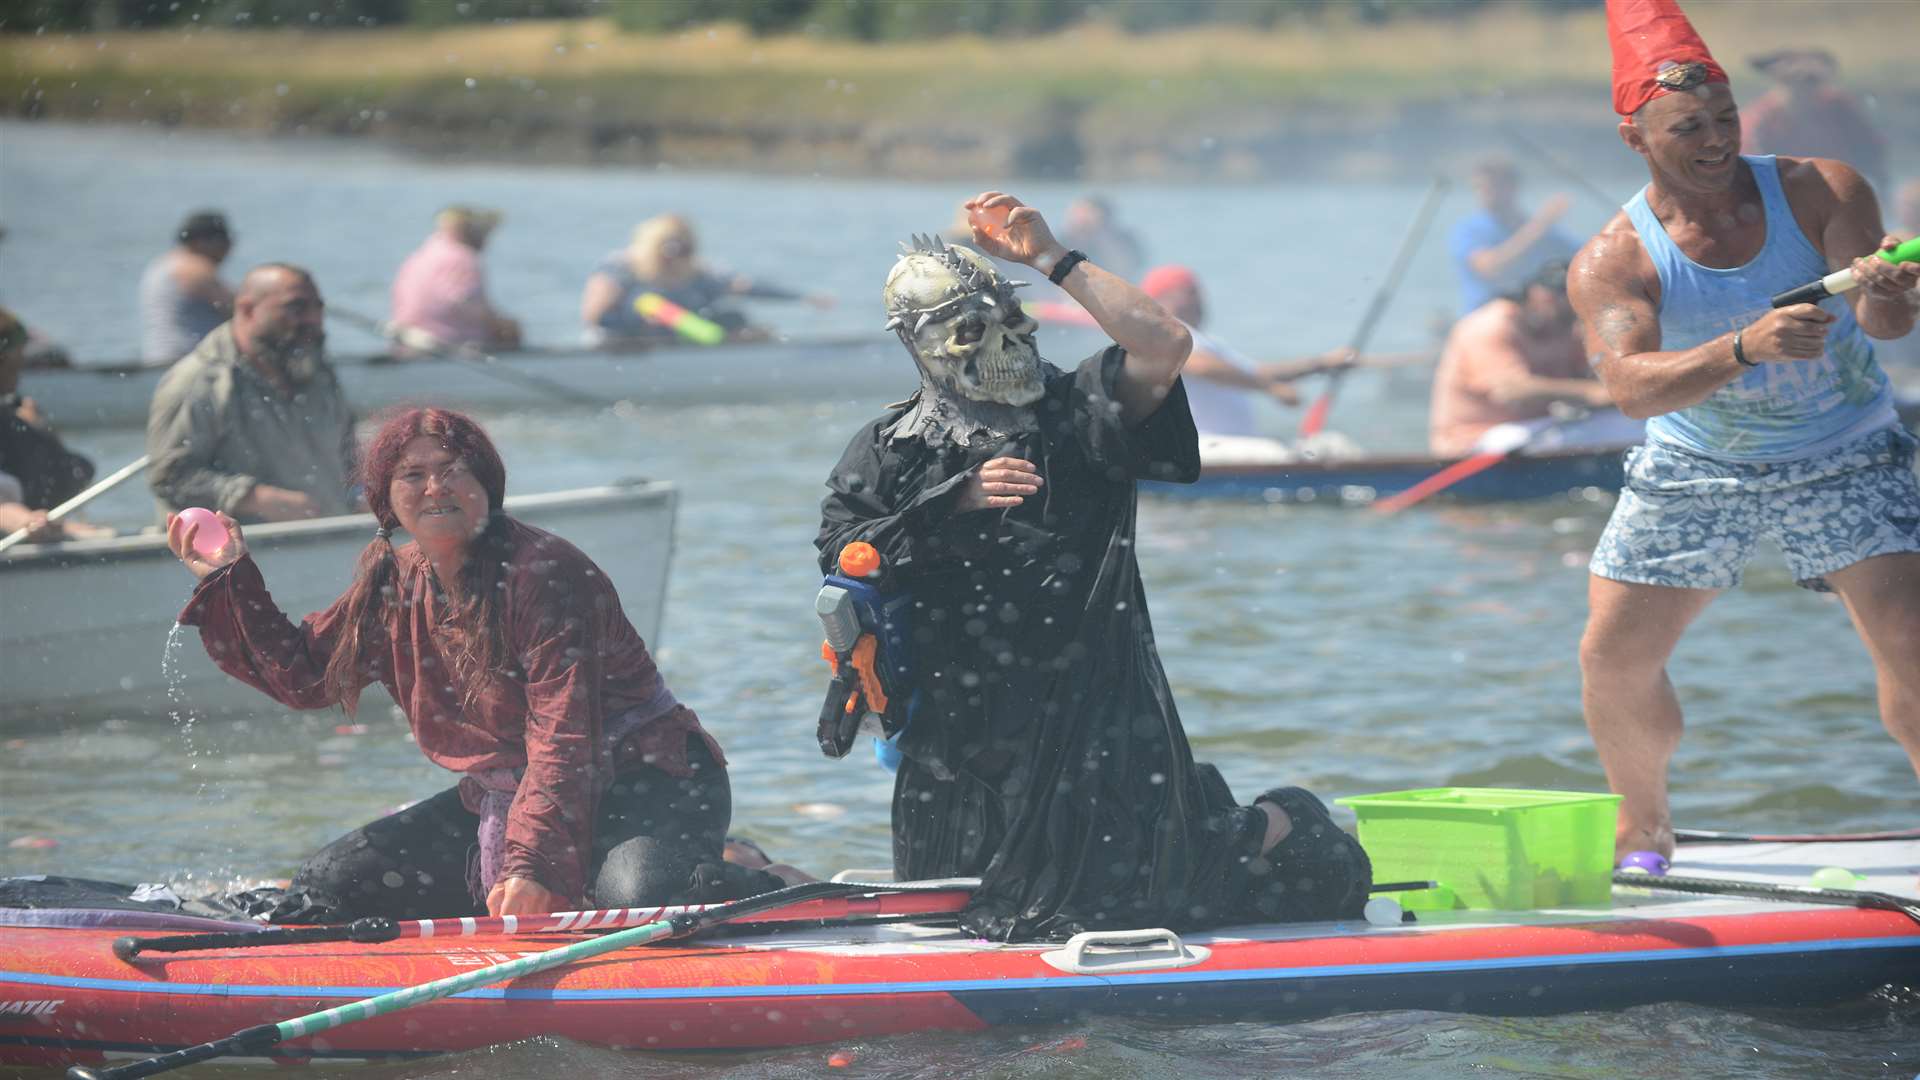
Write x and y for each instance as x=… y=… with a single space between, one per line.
x=1511 y=362
x=1764 y=423
x=1045 y=754
x=252 y=422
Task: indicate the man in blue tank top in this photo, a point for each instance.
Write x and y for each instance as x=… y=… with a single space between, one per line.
x=1761 y=423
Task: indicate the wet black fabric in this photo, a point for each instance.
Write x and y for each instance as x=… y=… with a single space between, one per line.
x=48 y=472
x=1046 y=755
x=33 y=891
x=652 y=834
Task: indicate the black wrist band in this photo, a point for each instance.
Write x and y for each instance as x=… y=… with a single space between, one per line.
x=1739 y=353
x=1058 y=275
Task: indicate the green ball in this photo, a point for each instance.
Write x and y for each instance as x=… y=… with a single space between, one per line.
x=1836 y=877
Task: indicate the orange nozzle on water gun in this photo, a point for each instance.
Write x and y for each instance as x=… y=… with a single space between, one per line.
x=859 y=559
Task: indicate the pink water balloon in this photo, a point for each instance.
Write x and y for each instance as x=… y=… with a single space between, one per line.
x=213 y=532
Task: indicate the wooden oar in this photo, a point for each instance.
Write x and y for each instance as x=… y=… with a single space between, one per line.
x=878 y=901
x=259 y=1039
x=1316 y=418
x=476 y=359
x=82 y=499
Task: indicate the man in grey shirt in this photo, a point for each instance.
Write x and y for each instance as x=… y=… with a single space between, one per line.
x=252 y=421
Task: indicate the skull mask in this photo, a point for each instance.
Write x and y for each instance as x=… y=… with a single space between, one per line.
x=960 y=319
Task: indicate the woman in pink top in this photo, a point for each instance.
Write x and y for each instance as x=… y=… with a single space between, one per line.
x=440 y=294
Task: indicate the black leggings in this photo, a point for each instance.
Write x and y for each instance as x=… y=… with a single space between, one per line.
x=651 y=831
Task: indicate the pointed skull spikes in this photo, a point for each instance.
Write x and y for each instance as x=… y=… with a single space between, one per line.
x=960 y=319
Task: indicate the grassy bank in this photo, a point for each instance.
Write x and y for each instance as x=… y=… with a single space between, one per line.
x=1205 y=98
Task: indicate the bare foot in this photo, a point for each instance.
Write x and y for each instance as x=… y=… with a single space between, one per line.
x=792 y=875
x=1629 y=838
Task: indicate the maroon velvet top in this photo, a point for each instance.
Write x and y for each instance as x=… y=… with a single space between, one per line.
x=574 y=663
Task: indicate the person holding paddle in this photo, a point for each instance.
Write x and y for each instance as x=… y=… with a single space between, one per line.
x=440 y=291
x=1045 y=754
x=1763 y=423
x=1512 y=360
x=37 y=471
x=1220 y=380
x=586 y=784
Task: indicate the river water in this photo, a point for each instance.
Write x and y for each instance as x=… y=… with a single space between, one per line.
x=1305 y=644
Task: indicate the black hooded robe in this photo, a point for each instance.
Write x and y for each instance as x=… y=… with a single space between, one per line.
x=1045 y=755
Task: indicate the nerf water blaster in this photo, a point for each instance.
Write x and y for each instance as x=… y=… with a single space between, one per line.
x=1842 y=279
x=661 y=311
x=867 y=647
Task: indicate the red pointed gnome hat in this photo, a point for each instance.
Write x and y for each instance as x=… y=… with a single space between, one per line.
x=1655 y=52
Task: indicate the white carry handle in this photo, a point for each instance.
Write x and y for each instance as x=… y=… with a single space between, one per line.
x=1098 y=952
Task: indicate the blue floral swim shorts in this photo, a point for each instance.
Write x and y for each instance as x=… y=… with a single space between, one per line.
x=1693 y=522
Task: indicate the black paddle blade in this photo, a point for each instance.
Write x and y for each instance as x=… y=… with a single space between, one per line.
x=253 y=1040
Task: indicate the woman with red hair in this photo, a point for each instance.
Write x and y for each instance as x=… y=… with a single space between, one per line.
x=585 y=782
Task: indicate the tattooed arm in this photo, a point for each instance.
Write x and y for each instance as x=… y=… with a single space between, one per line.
x=1615 y=290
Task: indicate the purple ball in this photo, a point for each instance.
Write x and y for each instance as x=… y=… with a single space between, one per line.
x=1651 y=861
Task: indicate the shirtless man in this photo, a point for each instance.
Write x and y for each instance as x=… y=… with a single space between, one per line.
x=1763 y=423
x=1510 y=361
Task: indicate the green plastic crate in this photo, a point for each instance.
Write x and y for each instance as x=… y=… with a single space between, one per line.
x=1499 y=849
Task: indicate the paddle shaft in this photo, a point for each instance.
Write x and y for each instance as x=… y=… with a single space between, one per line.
x=468 y=355
x=1566 y=171
x=259 y=1038
x=888 y=902
x=1440 y=481
x=1705 y=836
x=264 y=1036
x=1858 y=898
x=82 y=499
x=1316 y=418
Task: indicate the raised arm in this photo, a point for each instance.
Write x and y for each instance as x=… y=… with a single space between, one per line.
x=1156 y=343
x=245 y=632
x=1613 y=287
x=1491 y=262
x=1885 y=303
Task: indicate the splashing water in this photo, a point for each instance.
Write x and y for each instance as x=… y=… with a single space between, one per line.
x=178 y=710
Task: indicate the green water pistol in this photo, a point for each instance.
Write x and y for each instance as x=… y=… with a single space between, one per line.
x=1841 y=280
